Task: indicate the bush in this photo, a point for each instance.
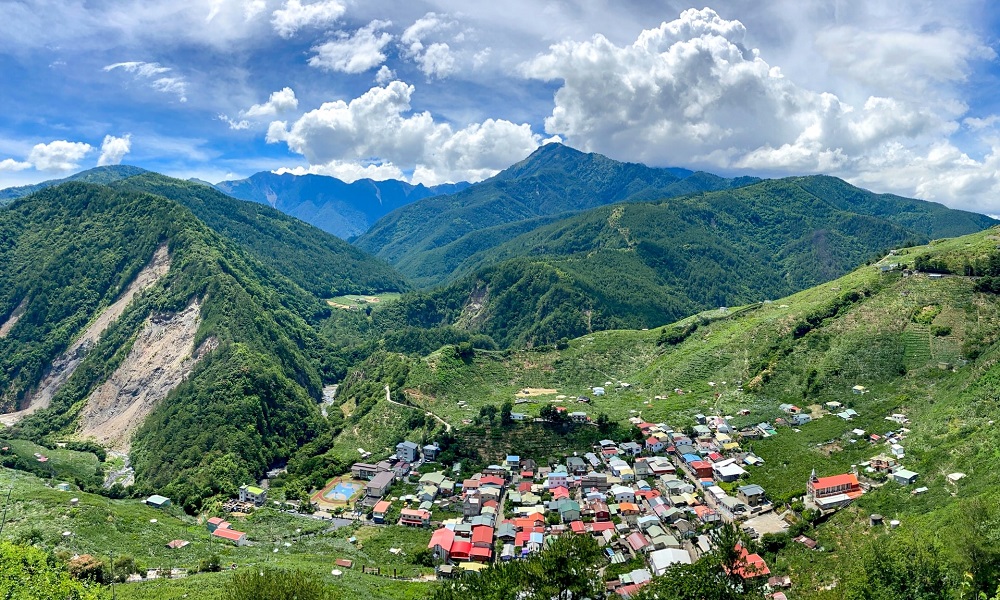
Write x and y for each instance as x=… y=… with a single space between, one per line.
x=275 y=584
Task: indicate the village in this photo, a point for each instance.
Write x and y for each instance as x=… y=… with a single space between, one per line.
x=656 y=500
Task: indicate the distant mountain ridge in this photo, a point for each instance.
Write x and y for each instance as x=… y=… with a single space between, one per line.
x=344 y=209
x=104 y=175
x=429 y=239
x=644 y=264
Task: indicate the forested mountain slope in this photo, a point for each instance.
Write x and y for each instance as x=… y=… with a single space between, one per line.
x=429 y=239
x=643 y=264
x=250 y=366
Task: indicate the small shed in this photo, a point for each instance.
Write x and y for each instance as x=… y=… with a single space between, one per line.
x=904 y=476
x=158 y=501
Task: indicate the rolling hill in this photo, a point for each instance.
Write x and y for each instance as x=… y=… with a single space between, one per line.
x=173 y=329
x=923 y=344
x=429 y=239
x=344 y=209
x=643 y=264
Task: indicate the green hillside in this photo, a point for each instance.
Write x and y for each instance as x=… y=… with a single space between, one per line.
x=921 y=344
x=429 y=240
x=642 y=264
x=318 y=262
x=69 y=251
x=101 y=175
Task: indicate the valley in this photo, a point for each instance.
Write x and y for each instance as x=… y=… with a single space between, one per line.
x=177 y=361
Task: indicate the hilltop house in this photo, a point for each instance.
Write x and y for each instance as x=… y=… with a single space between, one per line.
x=415 y=518
x=252 y=493
x=379 y=484
x=833 y=492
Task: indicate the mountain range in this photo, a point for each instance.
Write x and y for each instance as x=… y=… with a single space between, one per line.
x=344 y=209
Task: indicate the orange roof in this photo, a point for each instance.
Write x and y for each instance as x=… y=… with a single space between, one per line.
x=417 y=514
x=628 y=506
x=443 y=537
x=229 y=534
x=751 y=565
x=836 y=480
x=216 y=520
x=482 y=535
x=382 y=506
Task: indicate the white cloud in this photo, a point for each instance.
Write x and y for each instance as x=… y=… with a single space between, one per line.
x=252 y=8
x=384 y=75
x=278 y=102
x=294 y=16
x=152 y=72
x=349 y=171
x=114 y=149
x=353 y=53
x=691 y=91
x=379 y=128
x=9 y=164
x=435 y=59
x=59 y=155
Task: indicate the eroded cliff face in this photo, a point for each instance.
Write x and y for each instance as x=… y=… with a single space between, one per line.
x=14 y=318
x=162 y=356
x=63 y=367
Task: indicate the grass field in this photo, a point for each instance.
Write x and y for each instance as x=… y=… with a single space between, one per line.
x=355 y=301
x=39 y=514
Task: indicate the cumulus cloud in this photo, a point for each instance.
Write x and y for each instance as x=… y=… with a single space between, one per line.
x=114 y=149
x=155 y=75
x=294 y=15
x=9 y=164
x=379 y=127
x=690 y=90
x=384 y=75
x=435 y=59
x=59 y=155
x=278 y=102
x=349 y=171
x=353 y=53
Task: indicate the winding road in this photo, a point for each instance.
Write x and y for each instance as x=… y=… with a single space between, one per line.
x=388 y=398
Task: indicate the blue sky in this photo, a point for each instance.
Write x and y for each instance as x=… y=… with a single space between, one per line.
x=893 y=96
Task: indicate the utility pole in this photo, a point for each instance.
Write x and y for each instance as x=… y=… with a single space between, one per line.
x=6 y=504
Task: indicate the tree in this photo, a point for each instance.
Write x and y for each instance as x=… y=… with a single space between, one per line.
x=505 y=410
x=28 y=572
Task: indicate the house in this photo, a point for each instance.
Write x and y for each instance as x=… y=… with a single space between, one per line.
x=513 y=461
x=790 y=409
x=441 y=543
x=407 y=452
x=557 y=479
x=471 y=506
x=654 y=444
x=237 y=537
x=753 y=495
x=415 y=518
x=518 y=416
x=600 y=510
x=883 y=463
x=701 y=469
x=427 y=493
x=904 y=476
x=622 y=493
x=833 y=492
x=631 y=448
x=380 y=511
x=569 y=510
x=728 y=471
x=482 y=536
x=661 y=560
x=800 y=419
x=364 y=471
x=859 y=389
x=637 y=542
x=576 y=465
x=431 y=451
x=252 y=493
x=158 y=501
x=461 y=550
x=578 y=417
x=216 y=523
x=750 y=565
x=379 y=484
